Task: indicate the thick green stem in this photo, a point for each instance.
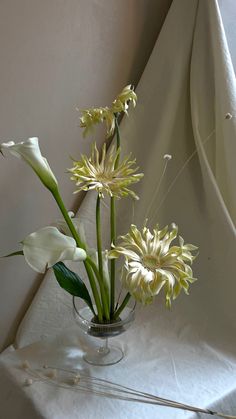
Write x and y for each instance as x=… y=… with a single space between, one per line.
x=105 y=298
x=99 y=236
x=113 y=226
x=112 y=262
x=122 y=306
x=79 y=243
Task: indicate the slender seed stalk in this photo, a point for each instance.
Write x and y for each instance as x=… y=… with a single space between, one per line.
x=122 y=306
x=105 y=298
x=113 y=226
x=79 y=243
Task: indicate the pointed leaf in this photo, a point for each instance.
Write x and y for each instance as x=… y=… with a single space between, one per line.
x=19 y=252
x=72 y=283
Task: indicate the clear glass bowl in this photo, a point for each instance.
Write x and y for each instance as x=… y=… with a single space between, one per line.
x=103 y=353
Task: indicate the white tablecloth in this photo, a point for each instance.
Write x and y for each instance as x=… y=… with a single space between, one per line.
x=164 y=356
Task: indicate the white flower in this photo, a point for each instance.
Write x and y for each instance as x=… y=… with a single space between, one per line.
x=121 y=103
x=98 y=172
x=151 y=264
x=94 y=116
x=167 y=157
x=48 y=246
x=30 y=152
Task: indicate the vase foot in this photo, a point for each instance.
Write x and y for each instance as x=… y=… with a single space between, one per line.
x=104 y=356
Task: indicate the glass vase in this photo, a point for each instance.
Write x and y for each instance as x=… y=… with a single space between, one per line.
x=103 y=353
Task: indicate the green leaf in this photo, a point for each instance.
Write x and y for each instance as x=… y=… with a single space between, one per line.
x=72 y=283
x=19 y=252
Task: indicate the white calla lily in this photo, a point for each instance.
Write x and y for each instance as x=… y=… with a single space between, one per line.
x=48 y=246
x=30 y=152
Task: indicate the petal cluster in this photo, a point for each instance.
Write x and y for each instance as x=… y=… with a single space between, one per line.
x=94 y=116
x=100 y=174
x=152 y=264
x=121 y=103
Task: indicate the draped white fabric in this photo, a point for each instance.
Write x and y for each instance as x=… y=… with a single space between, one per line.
x=184 y=95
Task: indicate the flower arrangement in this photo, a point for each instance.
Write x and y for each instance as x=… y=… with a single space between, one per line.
x=151 y=263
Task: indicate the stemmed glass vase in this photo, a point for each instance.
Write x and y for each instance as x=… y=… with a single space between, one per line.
x=103 y=353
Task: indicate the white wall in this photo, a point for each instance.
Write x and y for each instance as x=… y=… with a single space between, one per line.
x=228 y=13
x=56 y=55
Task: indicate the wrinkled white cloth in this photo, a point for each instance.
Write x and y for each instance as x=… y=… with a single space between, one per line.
x=163 y=356
x=188 y=354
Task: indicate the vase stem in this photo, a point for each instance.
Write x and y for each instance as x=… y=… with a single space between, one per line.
x=104 y=349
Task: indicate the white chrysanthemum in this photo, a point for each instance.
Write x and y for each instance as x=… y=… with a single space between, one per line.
x=151 y=264
x=101 y=174
x=94 y=116
x=121 y=103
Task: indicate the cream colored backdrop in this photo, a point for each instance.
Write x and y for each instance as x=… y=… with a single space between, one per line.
x=56 y=55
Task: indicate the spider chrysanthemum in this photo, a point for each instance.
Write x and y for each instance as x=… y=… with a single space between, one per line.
x=152 y=264
x=121 y=103
x=100 y=174
x=93 y=116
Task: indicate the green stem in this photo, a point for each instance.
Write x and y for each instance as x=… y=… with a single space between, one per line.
x=99 y=236
x=113 y=226
x=105 y=300
x=79 y=243
x=122 y=306
x=112 y=262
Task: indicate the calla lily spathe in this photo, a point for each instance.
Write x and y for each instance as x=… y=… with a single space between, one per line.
x=48 y=246
x=30 y=152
